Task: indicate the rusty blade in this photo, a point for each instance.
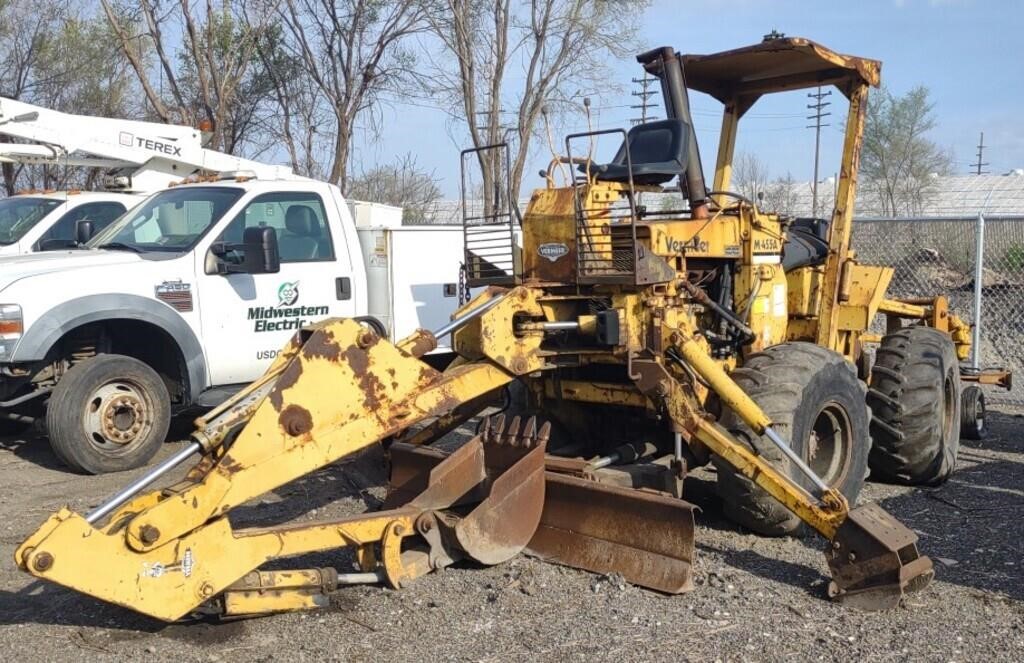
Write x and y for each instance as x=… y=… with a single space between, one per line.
x=644 y=535
x=504 y=522
x=874 y=561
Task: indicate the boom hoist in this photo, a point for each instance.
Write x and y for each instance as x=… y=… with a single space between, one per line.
x=640 y=344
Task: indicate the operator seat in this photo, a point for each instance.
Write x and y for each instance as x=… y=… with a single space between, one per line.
x=301 y=238
x=657 y=151
x=806 y=244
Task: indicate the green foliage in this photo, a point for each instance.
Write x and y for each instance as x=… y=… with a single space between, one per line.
x=1014 y=257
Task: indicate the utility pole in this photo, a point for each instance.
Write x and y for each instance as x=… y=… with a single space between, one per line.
x=645 y=94
x=817 y=108
x=981 y=151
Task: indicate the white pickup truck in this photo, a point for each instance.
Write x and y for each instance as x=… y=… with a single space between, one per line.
x=48 y=220
x=190 y=295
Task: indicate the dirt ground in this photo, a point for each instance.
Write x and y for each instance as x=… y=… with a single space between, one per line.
x=756 y=598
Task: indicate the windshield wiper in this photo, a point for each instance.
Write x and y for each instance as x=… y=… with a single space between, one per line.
x=119 y=246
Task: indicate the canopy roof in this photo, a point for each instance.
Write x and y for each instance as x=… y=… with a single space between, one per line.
x=776 y=65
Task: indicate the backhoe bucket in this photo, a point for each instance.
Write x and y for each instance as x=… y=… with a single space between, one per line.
x=874 y=561
x=500 y=473
x=645 y=536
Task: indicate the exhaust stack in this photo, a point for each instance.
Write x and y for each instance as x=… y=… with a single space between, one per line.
x=664 y=63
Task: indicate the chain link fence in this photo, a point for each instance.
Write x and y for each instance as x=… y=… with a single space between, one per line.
x=938 y=255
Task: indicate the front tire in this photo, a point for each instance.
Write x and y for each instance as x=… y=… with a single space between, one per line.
x=816 y=404
x=915 y=399
x=109 y=413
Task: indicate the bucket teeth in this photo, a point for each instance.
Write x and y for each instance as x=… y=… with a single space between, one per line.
x=530 y=432
x=512 y=433
x=518 y=433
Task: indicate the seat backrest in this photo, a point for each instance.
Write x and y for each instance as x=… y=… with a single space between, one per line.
x=301 y=239
x=655 y=142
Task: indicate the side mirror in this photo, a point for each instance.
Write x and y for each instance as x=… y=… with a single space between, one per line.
x=261 y=254
x=84 y=230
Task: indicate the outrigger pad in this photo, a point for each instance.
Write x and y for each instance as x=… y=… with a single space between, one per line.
x=875 y=561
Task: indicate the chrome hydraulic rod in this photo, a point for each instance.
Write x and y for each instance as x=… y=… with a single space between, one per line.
x=795 y=459
x=146 y=479
x=461 y=321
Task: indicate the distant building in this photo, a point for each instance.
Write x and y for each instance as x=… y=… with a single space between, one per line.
x=948 y=195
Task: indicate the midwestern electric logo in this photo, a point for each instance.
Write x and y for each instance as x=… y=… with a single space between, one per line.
x=275 y=318
x=288 y=293
x=285 y=316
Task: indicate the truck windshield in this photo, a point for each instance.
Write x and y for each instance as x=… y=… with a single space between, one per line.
x=18 y=215
x=172 y=220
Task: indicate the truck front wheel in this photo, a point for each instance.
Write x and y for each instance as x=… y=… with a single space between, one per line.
x=109 y=413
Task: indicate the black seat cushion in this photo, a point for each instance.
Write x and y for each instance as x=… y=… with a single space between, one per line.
x=657 y=151
x=806 y=244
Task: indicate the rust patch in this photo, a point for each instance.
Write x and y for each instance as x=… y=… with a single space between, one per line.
x=296 y=420
x=230 y=465
x=373 y=389
x=288 y=378
x=358 y=359
x=321 y=345
x=427 y=375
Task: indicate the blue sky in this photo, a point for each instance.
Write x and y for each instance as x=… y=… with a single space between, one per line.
x=969 y=53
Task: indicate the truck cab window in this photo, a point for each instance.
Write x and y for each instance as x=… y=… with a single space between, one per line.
x=101 y=215
x=299 y=219
x=172 y=220
x=18 y=215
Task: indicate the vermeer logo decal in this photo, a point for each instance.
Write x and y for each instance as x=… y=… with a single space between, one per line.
x=288 y=294
x=552 y=251
x=286 y=316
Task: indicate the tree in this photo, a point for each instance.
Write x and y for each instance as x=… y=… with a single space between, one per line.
x=353 y=52
x=898 y=158
x=26 y=29
x=749 y=175
x=780 y=196
x=504 y=61
x=402 y=184
x=210 y=78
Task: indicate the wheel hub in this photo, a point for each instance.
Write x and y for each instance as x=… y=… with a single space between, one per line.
x=122 y=419
x=117 y=415
x=829 y=444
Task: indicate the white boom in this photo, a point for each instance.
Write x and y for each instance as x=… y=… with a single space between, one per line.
x=141 y=156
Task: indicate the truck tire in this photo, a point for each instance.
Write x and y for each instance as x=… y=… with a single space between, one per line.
x=817 y=404
x=972 y=413
x=109 y=413
x=914 y=396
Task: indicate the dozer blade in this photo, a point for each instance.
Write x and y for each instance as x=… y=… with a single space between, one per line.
x=645 y=536
x=874 y=561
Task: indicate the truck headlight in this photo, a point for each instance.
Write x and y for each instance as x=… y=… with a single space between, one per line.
x=12 y=325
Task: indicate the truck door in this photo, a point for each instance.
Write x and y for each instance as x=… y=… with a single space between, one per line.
x=248 y=318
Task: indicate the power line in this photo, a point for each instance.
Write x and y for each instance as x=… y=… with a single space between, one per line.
x=644 y=94
x=981 y=151
x=818 y=108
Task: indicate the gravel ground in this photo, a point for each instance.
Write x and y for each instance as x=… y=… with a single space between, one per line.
x=756 y=598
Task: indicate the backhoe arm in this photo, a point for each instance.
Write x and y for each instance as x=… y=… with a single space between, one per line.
x=338 y=389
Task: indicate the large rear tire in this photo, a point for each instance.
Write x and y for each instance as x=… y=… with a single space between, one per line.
x=915 y=400
x=109 y=413
x=817 y=404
